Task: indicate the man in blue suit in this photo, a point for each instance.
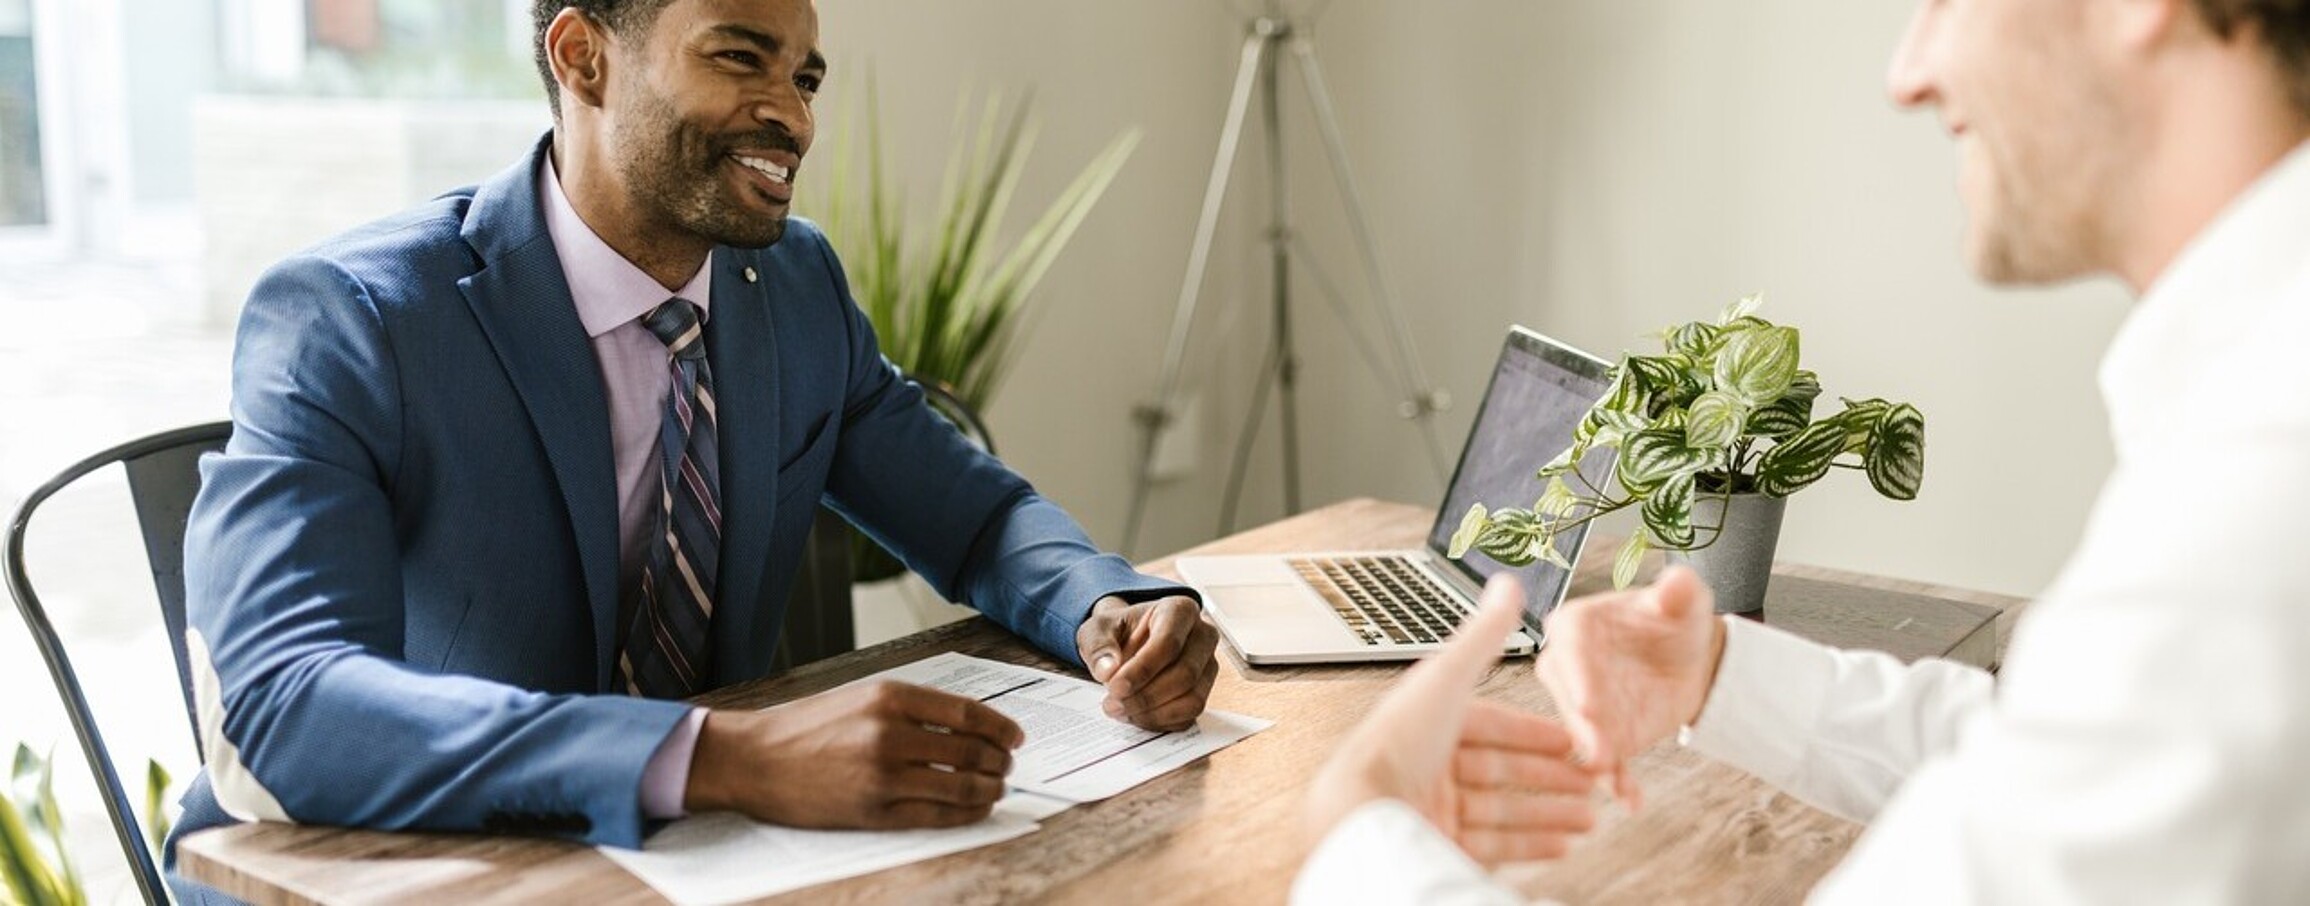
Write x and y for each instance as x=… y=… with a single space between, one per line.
x=488 y=513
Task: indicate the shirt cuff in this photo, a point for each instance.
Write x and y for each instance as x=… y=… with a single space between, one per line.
x=1761 y=714
x=667 y=777
x=1384 y=852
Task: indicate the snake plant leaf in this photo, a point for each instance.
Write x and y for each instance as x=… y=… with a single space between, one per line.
x=1714 y=420
x=1758 y=365
x=1471 y=525
x=1895 y=459
x=1631 y=556
x=156 y=820
x=49 y=819
x=1801 y=460
x=24 y=875
x=1741 y=308
x=1668 y=511
x=1654 y=454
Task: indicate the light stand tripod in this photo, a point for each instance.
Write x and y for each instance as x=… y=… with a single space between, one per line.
x=1270 y=34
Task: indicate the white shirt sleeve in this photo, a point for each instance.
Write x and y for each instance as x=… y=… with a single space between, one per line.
x=1384 y=852
x=2145 y=743
x=1838 y=729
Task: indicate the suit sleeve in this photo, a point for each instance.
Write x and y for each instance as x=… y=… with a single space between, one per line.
x=293 y=583
x=978 y=532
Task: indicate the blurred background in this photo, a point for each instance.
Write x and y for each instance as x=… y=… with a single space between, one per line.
x=1595 y=169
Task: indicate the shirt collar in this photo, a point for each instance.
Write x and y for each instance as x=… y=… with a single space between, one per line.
x=2213 y=296
x=609 y=290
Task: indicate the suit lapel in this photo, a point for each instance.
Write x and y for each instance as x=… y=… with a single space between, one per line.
x=742 y=348
x=522 y=301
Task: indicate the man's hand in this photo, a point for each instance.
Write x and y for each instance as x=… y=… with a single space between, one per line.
x=880 y=755
x=1497 y=780
x=1629 y=668
x=1158 y=659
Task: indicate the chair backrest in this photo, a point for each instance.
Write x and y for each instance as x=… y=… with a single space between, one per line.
x=163 y=476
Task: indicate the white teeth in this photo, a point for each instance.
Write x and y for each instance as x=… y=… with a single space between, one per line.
x=767 y=168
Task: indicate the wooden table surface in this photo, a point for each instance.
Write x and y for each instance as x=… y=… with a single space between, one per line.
x=1222 y=830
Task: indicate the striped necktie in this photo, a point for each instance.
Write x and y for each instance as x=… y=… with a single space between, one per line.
x=664 y=653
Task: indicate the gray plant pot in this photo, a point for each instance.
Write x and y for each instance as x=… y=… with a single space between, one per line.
x=1739 y=565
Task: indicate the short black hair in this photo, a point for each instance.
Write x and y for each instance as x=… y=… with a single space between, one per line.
x=631 y=18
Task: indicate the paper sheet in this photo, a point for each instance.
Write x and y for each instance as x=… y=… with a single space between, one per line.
x=1074 y=753
x=1074 y=750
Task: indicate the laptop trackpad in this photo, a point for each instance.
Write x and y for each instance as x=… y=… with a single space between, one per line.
x=1227 y=572
x=1278 y=619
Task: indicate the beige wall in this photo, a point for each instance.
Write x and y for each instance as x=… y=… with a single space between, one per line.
x=1593 y=169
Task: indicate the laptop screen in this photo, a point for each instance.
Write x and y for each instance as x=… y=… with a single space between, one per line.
x=1539 y=392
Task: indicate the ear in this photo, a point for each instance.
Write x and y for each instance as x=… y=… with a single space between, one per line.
x=2141 y=25
x=579 y=50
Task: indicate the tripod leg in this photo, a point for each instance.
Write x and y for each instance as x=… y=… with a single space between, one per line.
x=1268 y=373
x=1153 y=418
x=1420 y=396
x=1279 y=234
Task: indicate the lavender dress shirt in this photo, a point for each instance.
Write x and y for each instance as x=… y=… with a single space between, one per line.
x=612 y=295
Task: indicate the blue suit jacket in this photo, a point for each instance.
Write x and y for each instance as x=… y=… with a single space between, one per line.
x=405 y=564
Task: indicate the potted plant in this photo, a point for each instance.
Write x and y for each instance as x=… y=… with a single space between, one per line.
x=949 y=312
x=35 y=866
x=1709 y=438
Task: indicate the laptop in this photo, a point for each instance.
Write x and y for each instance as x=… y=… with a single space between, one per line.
x=1400 y=605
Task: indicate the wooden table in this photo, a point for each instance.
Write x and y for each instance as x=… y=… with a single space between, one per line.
x=1223 y=830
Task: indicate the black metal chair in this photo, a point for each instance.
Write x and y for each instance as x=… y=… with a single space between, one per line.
x=163 y=475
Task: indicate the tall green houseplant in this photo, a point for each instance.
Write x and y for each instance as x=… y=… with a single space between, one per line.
x=1723 y=410
x=950 y=310
x=35 y=867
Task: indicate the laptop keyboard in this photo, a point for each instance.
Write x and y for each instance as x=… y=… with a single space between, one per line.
x=1384 y=600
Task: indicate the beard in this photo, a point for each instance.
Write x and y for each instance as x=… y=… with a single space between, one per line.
x=678 y=170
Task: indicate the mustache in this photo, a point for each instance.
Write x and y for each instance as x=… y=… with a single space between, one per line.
x=771 y=136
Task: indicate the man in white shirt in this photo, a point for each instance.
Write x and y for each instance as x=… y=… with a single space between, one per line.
x=2145 y=741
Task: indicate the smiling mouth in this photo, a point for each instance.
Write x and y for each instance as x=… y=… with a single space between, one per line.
x=777 y=174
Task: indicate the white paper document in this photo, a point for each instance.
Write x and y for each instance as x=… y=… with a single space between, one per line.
x=1074 y=753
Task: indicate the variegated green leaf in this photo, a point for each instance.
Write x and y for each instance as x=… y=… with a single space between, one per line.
x=1668 y=511
x=1696 y=340
x=1545 y=548
x=1471 y=524
x=1896 y=456
x=1557 y=501
x=1627 y=391
x=1631 y=557
x=1565 y=461
x=1741 y=308
x=1652 y=455
x=1860 y=422
x=1508 y=546
x=1758 y=365
x=1801 y=460
x=1714 y=420
x=1789 y=414
x=1612 y=427
x=1658 y=375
